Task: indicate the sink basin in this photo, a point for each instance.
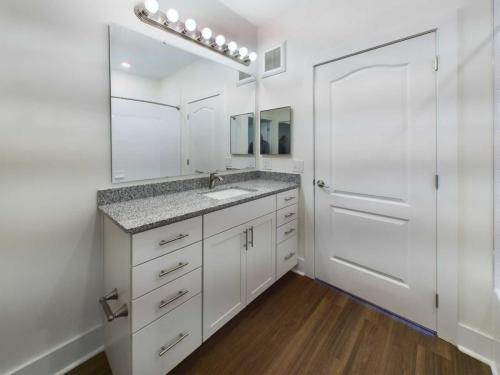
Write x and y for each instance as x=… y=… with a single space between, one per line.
x=227 y=193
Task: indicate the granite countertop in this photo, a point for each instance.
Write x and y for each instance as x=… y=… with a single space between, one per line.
x=139 y=215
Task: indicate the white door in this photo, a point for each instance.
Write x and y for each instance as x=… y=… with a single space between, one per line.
x=207 y=135
x=261 y=255
x=375 y=149
x=224 y=290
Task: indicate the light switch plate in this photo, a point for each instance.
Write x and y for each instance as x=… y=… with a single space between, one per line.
x=298 y=166
x=267 y=164
x=229 y=163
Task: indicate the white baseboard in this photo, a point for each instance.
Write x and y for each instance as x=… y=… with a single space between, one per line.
x=478 y=345
x=65 y=356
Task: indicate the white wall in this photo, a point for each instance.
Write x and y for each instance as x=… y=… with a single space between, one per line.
x=328 y=29
x=55 y=155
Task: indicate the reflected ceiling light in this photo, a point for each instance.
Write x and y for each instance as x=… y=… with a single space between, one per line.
x=243 y=52
x=151 y=6
x=190 y=24
x=232 y=46
x=125 y=64
x=220 y=40
x=149 y=13
x=172 y=15
x=206 y=33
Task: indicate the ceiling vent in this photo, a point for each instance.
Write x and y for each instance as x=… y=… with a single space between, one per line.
x=274 y=61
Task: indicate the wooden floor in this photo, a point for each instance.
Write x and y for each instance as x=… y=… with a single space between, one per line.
x=300 y=326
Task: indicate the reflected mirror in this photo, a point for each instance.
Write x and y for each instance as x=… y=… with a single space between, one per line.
x=275 y=131
x=172 y=111
x=242 y=134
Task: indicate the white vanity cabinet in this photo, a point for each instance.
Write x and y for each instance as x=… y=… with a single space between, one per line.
x=174 y=286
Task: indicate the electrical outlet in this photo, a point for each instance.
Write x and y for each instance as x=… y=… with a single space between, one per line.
x=267 y=164
x=229 y=162
x=298 y=166
x=251 y=163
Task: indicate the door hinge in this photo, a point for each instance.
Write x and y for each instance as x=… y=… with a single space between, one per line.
x=187 y=161
x=436 y=181
x=314 y=182
x=437 y=301
x=436 y=63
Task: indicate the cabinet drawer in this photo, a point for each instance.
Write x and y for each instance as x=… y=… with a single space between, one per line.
x=164 y=299
x=159 y=347
x=287 y=214
x=219 y=221
x=286 y=231
x=286 y=256
x=162 y=270
x=287 y=198
x=160 y=241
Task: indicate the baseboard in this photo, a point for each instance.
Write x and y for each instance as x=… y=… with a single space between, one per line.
x=65 y=356
x=478 y=345
x=299 y=269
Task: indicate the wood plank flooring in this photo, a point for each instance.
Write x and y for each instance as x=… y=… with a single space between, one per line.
x=300 y=326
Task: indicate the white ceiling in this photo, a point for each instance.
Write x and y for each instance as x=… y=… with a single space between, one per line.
x=259 y=12
x=149 y=58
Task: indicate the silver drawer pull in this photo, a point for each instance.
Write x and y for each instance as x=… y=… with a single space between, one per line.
x=176 y=238
x=289 y=231
x=289 y=199
x=289 y=256
x=289 y=215
x=164 y=273
x=178 y=339
x=110 y=314
x=178 y=295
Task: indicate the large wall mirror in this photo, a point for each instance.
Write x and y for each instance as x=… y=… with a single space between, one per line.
x=275 y=131
x=174 y=113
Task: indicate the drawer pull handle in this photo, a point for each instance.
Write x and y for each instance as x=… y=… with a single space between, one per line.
x=176 y=238
x=289 y=256
x=164 y=273
x=110 y=314
x=178 y=295
x=178 y=339
x=289 y=215
x=251 y=236
x=289 y=199
x=289 y=231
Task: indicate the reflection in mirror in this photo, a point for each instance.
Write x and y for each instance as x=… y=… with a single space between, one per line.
x=242 y=134
x=275 y=131
x=171 y=111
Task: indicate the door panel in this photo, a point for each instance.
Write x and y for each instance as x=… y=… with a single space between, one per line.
x=375 y=149
x=224 y=290
x=261 y=256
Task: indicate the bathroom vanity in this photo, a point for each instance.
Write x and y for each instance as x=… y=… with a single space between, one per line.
x=180 y=265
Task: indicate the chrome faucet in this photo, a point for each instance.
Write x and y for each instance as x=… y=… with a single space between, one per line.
x=213 y=178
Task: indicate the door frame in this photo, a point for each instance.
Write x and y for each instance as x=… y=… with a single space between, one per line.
x=446 y=165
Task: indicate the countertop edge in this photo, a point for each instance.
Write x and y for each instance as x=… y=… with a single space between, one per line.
x=189 y=215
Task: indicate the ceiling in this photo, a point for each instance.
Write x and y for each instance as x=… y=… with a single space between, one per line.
x=259 y=12
x=149 y=58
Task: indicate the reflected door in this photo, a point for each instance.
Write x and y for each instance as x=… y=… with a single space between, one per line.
x=207 y=135
x=375 y=148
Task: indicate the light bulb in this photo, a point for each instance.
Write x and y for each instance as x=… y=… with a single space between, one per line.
x=151 y=6
x=125 y=64
x=243 y=52
x=206 y=33
x=252 y=56
x=220 y=40
x=190 y=24
x=172 y=15
x=232 y=46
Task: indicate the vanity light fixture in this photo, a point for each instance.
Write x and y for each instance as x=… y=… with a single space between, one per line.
x=125 y=64
x=149 y=12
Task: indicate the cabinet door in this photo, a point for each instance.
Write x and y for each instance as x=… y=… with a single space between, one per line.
x=261 y=255
x=223 y=279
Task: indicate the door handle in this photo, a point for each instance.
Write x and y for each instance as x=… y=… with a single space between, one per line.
x=251 y=236
x=110 y=314
x=245 y=232
x=321 y=184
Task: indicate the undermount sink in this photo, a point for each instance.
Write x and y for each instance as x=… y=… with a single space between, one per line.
x=227 y=193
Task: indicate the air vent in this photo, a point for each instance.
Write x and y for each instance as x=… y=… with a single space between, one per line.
x=274 y=61
x=244 y=78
